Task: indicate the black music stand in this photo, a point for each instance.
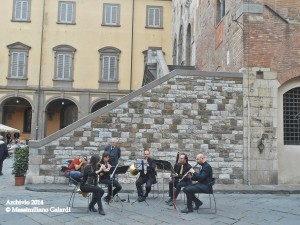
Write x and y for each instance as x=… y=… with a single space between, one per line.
x=116 y=170
x=165 y=166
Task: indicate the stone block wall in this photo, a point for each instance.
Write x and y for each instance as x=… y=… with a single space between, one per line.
x=186 y=111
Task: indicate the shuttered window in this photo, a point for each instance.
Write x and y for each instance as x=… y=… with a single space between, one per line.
x=18 y=65
x=111 y=14
x=21 y=10
x=154 y=16
x=109 y=68
x=64 y=66
x=66 y=12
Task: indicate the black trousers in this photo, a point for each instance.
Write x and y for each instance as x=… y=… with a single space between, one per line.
x=97 y=193
x=142 y=180
x=1 y=165
x=190 y=193
x=178 y=186
x=110 y=185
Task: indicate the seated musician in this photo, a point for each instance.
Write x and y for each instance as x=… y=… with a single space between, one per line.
x=204 y=177
x=89 y=184
x=182 y=168
x=104 y=178
x=75 y=169
x=147 y=177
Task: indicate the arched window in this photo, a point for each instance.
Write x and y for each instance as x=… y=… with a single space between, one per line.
x=64 y=62
x=188 y=47
x=180 y=40
x=291 y=117
x=109 y=67
x=175 y=52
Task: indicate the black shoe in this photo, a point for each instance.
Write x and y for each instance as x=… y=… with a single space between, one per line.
x=107 y=199
x=141 y=199
x=92 y=208
x=1 y=174
x=197 y=205
x=101 y=212
x=187 y=210
x=169 y=201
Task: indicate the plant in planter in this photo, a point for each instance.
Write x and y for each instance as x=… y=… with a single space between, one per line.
x=20 y=165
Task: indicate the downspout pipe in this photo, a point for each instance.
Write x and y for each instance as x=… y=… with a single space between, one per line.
x=40 y=76
x=131 y=54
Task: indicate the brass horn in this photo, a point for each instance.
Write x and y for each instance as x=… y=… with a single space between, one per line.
x=133 y=170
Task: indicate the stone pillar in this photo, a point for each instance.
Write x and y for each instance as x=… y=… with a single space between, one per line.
x=260 y=140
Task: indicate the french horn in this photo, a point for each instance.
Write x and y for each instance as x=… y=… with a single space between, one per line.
x=133 y=170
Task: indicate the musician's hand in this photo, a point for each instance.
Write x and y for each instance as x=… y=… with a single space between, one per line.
x=192 y=171
x=189 y=176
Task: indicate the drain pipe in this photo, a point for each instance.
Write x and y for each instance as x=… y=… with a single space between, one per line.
x=248 y=142
x=40 y=76
x=132 y=29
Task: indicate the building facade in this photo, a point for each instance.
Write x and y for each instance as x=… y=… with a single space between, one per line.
x=184 y=27
x=61 y=60
x=261 y=39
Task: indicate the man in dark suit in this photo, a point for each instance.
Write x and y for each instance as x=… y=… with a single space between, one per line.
x=114 y=153
x=3 y=153
x=147 y=177
x=179 y=182
x=204 y=177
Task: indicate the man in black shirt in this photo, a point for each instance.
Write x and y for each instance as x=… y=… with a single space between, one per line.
x=181 y=169
x=3 y=153
x=204 y=177
x=147 y=177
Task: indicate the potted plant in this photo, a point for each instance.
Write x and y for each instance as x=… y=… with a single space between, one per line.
x=20 y=165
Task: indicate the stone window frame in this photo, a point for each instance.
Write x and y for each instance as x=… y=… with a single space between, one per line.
x=148 y=7
x=220 y=11
x=64 y=50
x=73 y=22
x=27 y=20
x=291 y=116
x=109 y=51
x=18 y=47
x=104 y=23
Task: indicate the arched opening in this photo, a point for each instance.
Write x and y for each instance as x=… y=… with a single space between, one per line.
x=59 y=114
x=188 y=46
x=180 y=40
x=17 y=113
x=100 y=105
x=175 y=52
x=288 y=132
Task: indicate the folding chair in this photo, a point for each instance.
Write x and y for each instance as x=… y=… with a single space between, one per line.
x=210 y=192
x=77 y=190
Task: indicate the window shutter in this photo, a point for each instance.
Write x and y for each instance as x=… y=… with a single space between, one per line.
x=105 y=68
x=150 y=17
x=63 y=12
x=21 y=64
x=25 y=10
x=14 y=64
x=112 y=68
x=114 y=13
x=67 y=67
x=157 y=17
x=18 y=9
x=70 y=13
x=60 y=65
x=107 y=14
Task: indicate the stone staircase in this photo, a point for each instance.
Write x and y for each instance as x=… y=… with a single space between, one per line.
x=186 y=110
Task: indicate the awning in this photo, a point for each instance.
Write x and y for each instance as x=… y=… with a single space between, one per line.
x=4 y=128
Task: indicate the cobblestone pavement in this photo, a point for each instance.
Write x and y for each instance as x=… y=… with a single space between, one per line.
x=238 y=209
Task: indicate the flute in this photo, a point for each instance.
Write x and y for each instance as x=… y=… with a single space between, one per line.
x=188 y=172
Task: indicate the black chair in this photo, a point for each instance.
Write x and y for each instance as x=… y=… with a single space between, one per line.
x=77 y=190
x=210 y=192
